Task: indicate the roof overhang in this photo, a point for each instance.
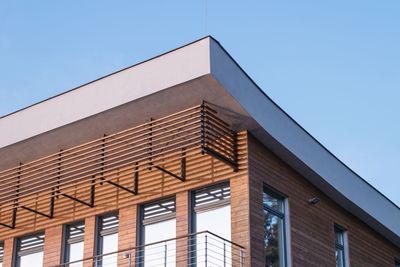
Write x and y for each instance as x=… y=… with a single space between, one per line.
x=179 y=79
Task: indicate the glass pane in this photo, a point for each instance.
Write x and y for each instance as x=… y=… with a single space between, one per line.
x=339 y=258
x=76 y=253
x=110 y=244
x=160 y=254
x=31 y=260
x=274 y=248
x=273 y=202
x=217 y=221
x=339 y=237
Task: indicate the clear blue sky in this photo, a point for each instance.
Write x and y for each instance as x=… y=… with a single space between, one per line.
x=334 y=66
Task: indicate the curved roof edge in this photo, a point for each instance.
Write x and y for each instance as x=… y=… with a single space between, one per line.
x=311 y=158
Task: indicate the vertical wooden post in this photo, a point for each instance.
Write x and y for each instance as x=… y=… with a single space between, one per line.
x=182 y=228
x=127 y=234
x=89 y=241
x=53 y=246
x=8 y=252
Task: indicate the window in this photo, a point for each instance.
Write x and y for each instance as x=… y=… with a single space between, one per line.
x=74 y=240
x=30 y=251
x=340 y=247
x=158 y=223
x=211 y=211
x=1 y=253
x=274 y=229
x=107 y=240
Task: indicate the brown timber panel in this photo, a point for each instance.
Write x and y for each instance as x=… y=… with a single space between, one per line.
x=153 y=184
x=312 y=235
x=72 y=172
x=53 y=245
x=114 y=159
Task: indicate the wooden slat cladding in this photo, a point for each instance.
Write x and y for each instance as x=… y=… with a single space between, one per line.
x=312 y=239
x=114 y=160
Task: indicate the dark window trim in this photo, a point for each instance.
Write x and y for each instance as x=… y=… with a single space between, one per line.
x=1 y=251
x=67 y=241
x=141 y=223
x=193 y=210
x=340 y=229
x=17 y=246
x=101 y=233
x=282 y=215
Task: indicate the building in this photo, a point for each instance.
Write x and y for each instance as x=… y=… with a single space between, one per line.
x=181 y=160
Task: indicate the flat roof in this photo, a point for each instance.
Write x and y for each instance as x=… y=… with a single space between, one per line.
x=201 y=70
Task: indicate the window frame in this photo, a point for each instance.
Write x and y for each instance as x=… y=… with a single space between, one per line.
x=17 y=246
x=283 y=215
x=100 y=235
x=1 y=251
x=142 y=222
x=99 y=238
x=343 y=247
x=193 y=210
x=66 y=247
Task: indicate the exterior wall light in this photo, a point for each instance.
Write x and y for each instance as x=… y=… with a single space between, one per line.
x=313 y=200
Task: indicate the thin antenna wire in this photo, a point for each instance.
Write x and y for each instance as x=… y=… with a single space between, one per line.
x=205 y=17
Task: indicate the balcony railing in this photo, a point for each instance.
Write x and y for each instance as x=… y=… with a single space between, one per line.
x=203 y=249
x=36 y=186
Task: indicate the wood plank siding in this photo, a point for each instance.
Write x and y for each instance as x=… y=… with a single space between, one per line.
x=241 y=160
x=312 y=226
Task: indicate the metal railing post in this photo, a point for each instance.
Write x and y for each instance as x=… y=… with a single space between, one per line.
x=206 y=251
x=241 y=258
x=165 y=254
x=224 y=254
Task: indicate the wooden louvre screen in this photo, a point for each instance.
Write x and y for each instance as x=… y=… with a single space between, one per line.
x=147 y=146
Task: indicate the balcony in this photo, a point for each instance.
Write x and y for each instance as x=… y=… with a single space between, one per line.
x=199 y=249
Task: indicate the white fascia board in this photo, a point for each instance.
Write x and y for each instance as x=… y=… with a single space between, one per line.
x=303 y=146
x=175 y=67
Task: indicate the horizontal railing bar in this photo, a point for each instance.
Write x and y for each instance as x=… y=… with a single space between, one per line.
x=141 y=248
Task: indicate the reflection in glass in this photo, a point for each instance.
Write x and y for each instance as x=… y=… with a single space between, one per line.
x=160 y=254
x=30 y=251
x=339 y=244
x=1 y=253
x=274 y=230
x=110 y=244
x=216 y=221
x=31 y=260
x=76 y=254
x=272 y=202
x=107 y=242
x=74 y=243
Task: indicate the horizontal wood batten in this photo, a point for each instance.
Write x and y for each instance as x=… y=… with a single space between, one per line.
x=80 y=173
